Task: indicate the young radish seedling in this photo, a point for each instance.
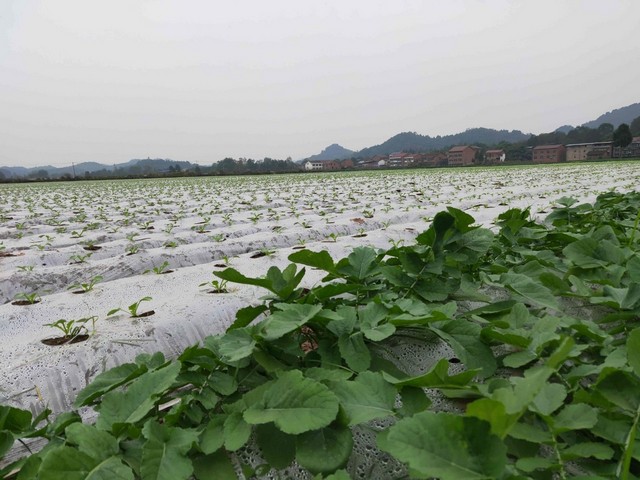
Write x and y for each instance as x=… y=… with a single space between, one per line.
x=85 y=287
x=133 y=309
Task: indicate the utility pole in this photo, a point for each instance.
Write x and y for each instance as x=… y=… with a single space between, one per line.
x=73 y=165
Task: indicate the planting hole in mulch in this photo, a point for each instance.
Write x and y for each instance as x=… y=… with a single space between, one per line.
x=92 y=248
x=57 y=341
x=359 y=235
x=166 y=271
x=454 y=360
x=258 y=255
x=24 y=302
x=7 y=254
x=220 y=265
x=298 y=247
x=145 y=314
x=218 y=290
x=78 y=292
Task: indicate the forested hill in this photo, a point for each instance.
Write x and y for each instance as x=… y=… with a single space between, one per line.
x=408 y=141
x=616 y=117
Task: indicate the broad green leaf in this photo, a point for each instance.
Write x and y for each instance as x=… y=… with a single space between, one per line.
x=212 y=437
x=530 y=433
x=437 y=377
x=355 y=351
x=549 y=398
x=414 y=400
x=494 y=413
x=106 y=381
x=321 y=259
x=164 y=452
x=139 y=398
x=633 y=350
x=529 y=290
x=246 y=315
x=13 y=423
x=236 y=432
x=599 y=451
x=464 y=338
x=519 y=359
x=235 y=345
x=216 y=466
x=575 y=417
x=70 y=464
x=339 y=475
x=278 y=448
x=333 y=374
x=295 y=404
x=292 y=317
x=447 y=446
x=324 y=450
x=371 y=317
x=360 y=263
x=530 y=464
x=366 y=398
x=95 y=443
x=621 y=389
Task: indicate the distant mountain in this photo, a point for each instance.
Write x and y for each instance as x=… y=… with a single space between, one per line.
x=616 y=117
x=412 y=141
x=333 y=152
x=132 y=167
x=564 y=129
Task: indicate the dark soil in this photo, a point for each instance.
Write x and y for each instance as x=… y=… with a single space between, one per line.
x=92 y=248
x=24 y=302
x=64 y=340
x=145 y=314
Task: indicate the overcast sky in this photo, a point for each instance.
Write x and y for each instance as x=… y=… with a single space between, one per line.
x=200 y=80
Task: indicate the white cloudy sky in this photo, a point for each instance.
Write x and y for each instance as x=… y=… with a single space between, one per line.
x=199 y=80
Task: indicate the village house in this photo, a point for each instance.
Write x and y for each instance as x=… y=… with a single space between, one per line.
x=317 y=165
x=588 y=151
x=434 y=159
x=548 y=154
x=461 y=156
x=401 y=159
x=630 y=151
x=495 y=156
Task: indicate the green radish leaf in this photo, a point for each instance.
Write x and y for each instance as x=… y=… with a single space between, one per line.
x=359 y=264
x=530 y=433
x=287 y=320
x=236 y=432
x=324 y=450
x=164 y=452
x=575 y=417
x=414 y=400
x=366 y=398
x=621 y=389
x=212 y=437
x=278 y=448
x=437 y=377
x=107 y=381
x=447 y=446
x=71 y=464
x=633 y=350
x=95 y=443
x=216 y=466
x=598 y=451
x=529 y=290
x=530 y=464
x=494 y=413
x=246 y=315
x=235 y=345
x=140 y=397
x=550 y=398
x=464 y=338
x=355 y=351
x=295 y=404
x=321 y=260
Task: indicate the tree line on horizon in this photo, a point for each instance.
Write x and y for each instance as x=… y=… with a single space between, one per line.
x=515 y=151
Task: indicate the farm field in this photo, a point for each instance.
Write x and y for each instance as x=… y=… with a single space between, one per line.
x=81 y=250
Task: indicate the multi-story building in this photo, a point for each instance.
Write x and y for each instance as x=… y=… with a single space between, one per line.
x=461 y=156
x=588 y=151
x=630 y=151
x=549 y=154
